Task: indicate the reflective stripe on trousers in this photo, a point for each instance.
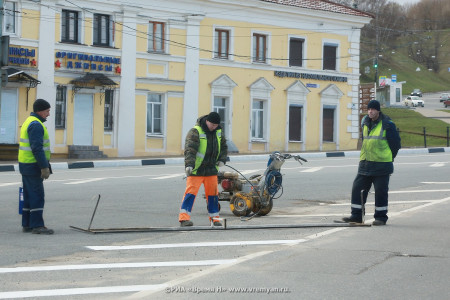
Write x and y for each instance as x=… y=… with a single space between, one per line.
x=193 y=184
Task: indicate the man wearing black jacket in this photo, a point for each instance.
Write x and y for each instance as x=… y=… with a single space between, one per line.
x=380 y=146
x=34 y=165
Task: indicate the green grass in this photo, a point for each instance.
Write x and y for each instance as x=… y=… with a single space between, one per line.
x=412 y=121
x=444 y=110
x=398 y=62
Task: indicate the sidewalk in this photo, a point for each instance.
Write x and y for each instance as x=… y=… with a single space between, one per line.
x=58 y=164
x=435 y=114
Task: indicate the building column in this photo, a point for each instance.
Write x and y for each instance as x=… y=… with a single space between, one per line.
x=46 y=54
x=127 y=93
x=191 y=76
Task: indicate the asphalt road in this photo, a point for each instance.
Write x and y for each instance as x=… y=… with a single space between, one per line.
x=407 y=259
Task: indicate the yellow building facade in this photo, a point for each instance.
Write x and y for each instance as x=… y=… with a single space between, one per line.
x=131 y=80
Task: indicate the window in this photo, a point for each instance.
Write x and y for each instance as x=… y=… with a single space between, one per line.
x=60 y=107
x=258 y=119
x=69 y=26
x=154 y=114
x=109 y=106
x=329 y=57
x=221 y=43
x=9 y=16
x=259 y=48
x=221 y=108
x=295 y=123
x=156 y=37
x=328 y=125
x=296 y=52
x=102 y=30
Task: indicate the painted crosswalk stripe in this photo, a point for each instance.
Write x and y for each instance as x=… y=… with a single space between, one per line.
x=202 y=244
x=169 y=176
x=311 y=170
x=10 y=183
x=81 y=291
x=85 y=181
x=436 y=165
x=119 y=265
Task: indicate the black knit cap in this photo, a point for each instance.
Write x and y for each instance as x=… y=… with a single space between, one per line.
x=40 y=105
x=213 y=117
x=374 y=104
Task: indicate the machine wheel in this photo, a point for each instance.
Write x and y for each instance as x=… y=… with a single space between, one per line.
x=265 y=210
x=241 y=206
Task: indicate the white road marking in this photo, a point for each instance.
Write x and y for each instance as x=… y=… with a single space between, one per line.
x=202 y=244
x=81 y=291
x=311 y=170
x=118 y=265
x=85 y=181
x=437 y=165
x=418 y=191
x=390 y=202
x=193 y=276
x=10 y=183
x=436 y=182
x=169 y=176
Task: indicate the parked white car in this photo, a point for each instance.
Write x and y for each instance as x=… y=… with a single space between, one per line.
x=414 y=101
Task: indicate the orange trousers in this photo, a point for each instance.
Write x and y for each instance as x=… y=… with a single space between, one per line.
x=193 y=184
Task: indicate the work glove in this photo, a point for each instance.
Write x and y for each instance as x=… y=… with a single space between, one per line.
x=188 y=171
x=45 y=173
x=220 y=163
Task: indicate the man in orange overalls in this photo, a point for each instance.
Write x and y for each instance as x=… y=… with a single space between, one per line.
x=205 y=151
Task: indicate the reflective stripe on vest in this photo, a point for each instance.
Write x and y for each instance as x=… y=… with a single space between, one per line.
x=202 y=147
x=375 y=146
x=25 y=153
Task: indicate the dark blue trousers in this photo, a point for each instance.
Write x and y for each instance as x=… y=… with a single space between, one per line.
x=33 y=201
x=381 y=186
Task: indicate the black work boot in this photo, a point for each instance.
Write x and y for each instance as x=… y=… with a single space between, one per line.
x=186 y=223
x=378 y=223
x=352 y=219
x=42 y=230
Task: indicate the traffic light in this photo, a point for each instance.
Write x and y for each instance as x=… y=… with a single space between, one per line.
x=375 y=63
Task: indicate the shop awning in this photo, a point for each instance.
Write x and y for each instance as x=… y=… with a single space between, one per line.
x=93 y=80
x=16 y=75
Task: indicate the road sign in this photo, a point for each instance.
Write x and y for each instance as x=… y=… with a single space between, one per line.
x=394 y=78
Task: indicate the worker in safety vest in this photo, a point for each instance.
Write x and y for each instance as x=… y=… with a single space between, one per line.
x=205 y=151
x=380 y=145
x=34 y=165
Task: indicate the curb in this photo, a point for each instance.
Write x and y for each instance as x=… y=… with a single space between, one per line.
x=180 y=160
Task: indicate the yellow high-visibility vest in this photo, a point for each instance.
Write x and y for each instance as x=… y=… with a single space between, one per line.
x=203 y=145
x=375 y=146
x=25 y=153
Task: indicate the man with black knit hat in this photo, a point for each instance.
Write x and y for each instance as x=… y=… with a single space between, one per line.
x=34 y=165
x=205 y=151
x=381 y=143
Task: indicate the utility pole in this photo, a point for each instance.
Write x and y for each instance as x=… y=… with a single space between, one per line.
x=377 y=37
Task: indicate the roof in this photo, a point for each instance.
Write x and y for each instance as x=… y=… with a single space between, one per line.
x=16 y=75
x=323 y=5
x=93 y=79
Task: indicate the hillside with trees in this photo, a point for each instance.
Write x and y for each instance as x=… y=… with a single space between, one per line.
x=411 y=41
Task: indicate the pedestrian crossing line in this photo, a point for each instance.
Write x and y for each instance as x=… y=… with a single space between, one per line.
x=311 y=170
x=436 y=165
x=80 y=291
x=390 y=202
x=85 y=181
x=168 y=176
x=201 y=244
x=9 y=183
x=118 y=265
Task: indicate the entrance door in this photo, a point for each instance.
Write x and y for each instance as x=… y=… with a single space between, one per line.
x=83 y=119
x=8 y=117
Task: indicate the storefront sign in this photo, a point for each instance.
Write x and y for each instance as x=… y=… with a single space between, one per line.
x=21 y=56
x=310 y=76
x=83 y=61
